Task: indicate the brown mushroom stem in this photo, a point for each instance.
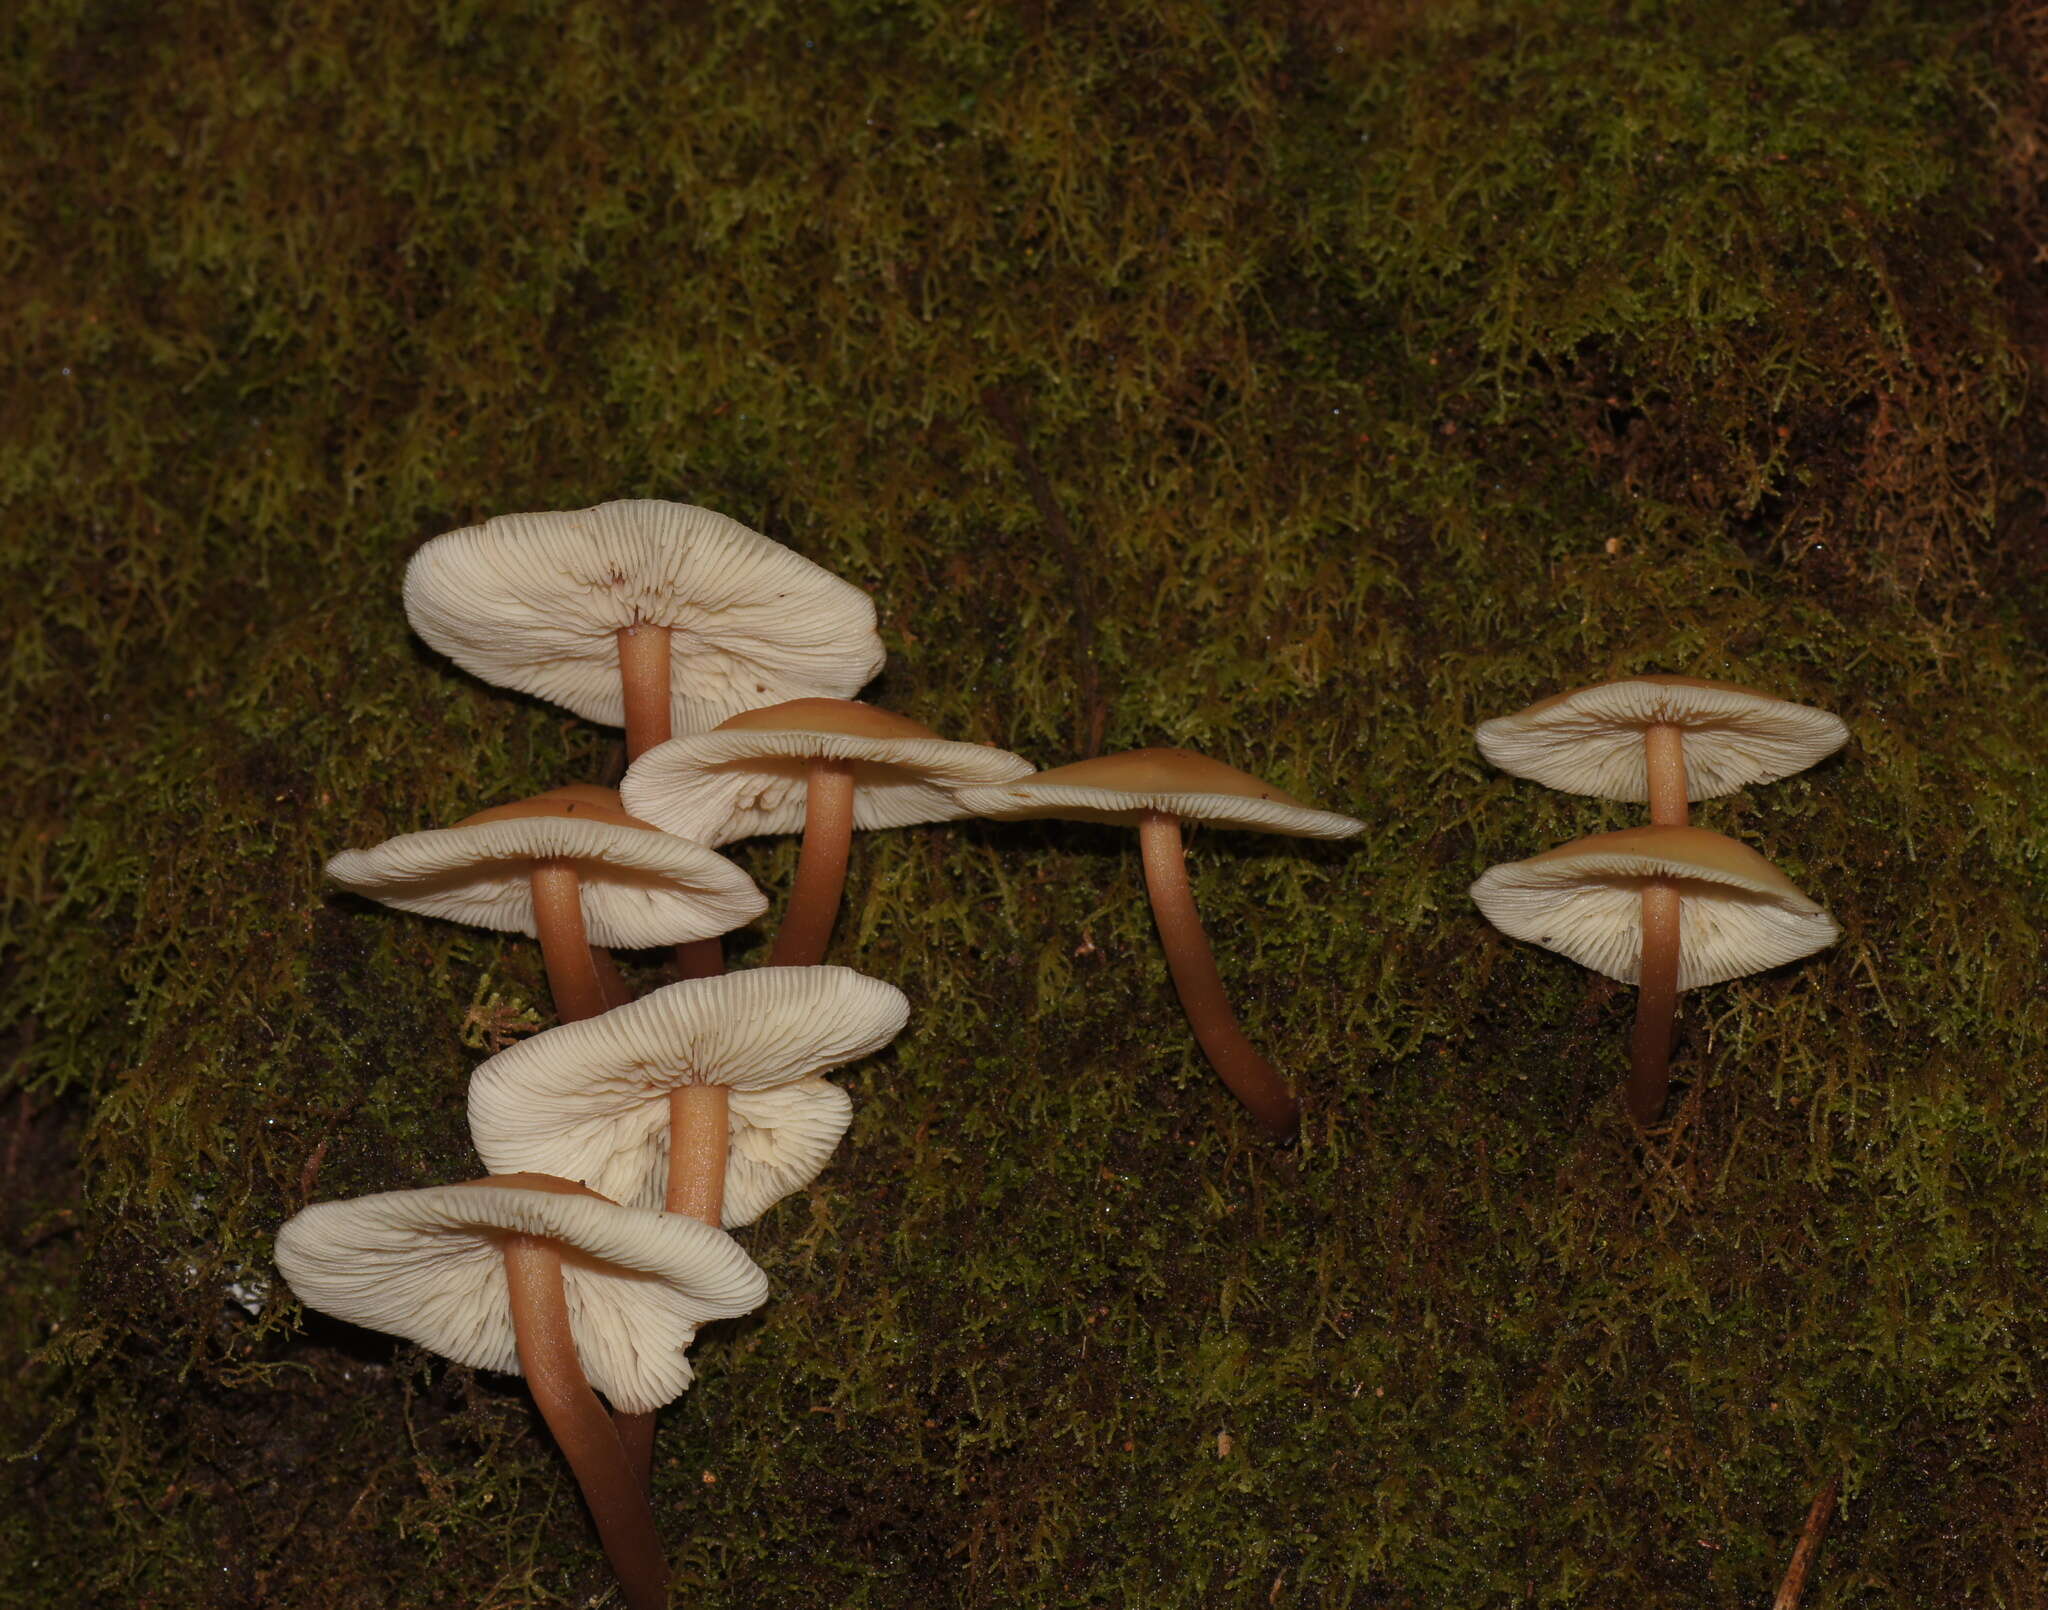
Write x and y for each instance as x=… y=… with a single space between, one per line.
x=820 y=867
x=643 y=678
x=573 y=974
x=701 y=958
x=698 y=1133
x=610 y=982
x=547 y=1355
x=1251 y=1078
x=1664 y=757
x=1649 y=1068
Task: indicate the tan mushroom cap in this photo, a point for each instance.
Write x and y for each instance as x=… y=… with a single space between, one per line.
x=1590 y=741
x=536 y=602
x=641 y=887
x=1121 y=788
x=589 y=1101
x=429 y=1265
x=1738 y=914
x=748 y=776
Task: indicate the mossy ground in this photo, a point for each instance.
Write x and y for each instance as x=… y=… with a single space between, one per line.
x=1301 y=384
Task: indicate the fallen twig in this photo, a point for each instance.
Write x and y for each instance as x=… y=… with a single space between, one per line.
x=1803 y=1556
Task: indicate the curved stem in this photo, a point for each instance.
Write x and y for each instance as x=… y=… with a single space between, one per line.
x=701 y=958
x=820 y=867
x=1649 y=1065
x=699 y=1130
x=643 y=678
x=1664 y=758
x=547 y=1354
x=1251 y=1078
x=564 y=946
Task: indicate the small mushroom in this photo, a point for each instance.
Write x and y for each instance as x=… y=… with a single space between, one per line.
x=1156 y=790
x=567 y=867
x=1666 y=908
x=653 y=615
x=541 y=1277
x=826 y=766
x=702 y=1097
x=1665 y=739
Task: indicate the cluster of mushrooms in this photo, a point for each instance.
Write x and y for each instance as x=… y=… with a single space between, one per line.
x=1670 y=906
x=626 y=1142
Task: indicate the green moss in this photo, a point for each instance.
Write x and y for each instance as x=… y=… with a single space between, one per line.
x=1388 y=371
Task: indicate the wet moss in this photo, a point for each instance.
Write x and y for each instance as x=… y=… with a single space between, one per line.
x=1302 y=386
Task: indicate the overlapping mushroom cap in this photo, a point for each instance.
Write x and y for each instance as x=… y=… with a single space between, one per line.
x=536 y=602
x=428 y=1265
x=640 y=887
x=747 y=776
x=589 y=1101
x=1119 y=789
x=1738 y=914
x=1590 y=741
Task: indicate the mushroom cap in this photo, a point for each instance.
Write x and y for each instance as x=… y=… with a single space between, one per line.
x=1590 y=741
x=1121 y=788
x=1737 y=914
x=429 y=1265
x=748 y=775
x=641 y=886
x=589 y=1101
x=536 y=602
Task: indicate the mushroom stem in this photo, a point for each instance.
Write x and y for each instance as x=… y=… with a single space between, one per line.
x=611 y=984
x=701 y=958
x=573 y=974
x=643 y=678
x=547 y=1355
x=1649 y=1068
x=820 y=866
x=698 y=1132
x=1664 y=757
x=1251 y=1078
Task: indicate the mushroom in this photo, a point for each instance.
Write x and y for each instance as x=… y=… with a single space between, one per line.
x=826 y=766
x=1157 y=789
x=1664 y=739
x=1666 y=908
x=534 y=1275
x=653 y=615
x=702 y=1097
x=567 y=866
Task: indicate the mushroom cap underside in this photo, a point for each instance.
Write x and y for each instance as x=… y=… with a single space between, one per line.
x=640 y=887
x=536 y=602
x=1737 y=913
x=1590 y=740
x=740 y=781
x=429 y=1265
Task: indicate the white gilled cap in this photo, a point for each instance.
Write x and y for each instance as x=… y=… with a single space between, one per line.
x=1121 y=788
x=747 y=775
x=589 y=1101
x=1590 y=741
x=641 y=887
x=536 y=602
x=429 y=1266
x=1738 y=914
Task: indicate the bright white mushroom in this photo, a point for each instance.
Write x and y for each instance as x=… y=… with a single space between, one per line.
x=653 y=615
